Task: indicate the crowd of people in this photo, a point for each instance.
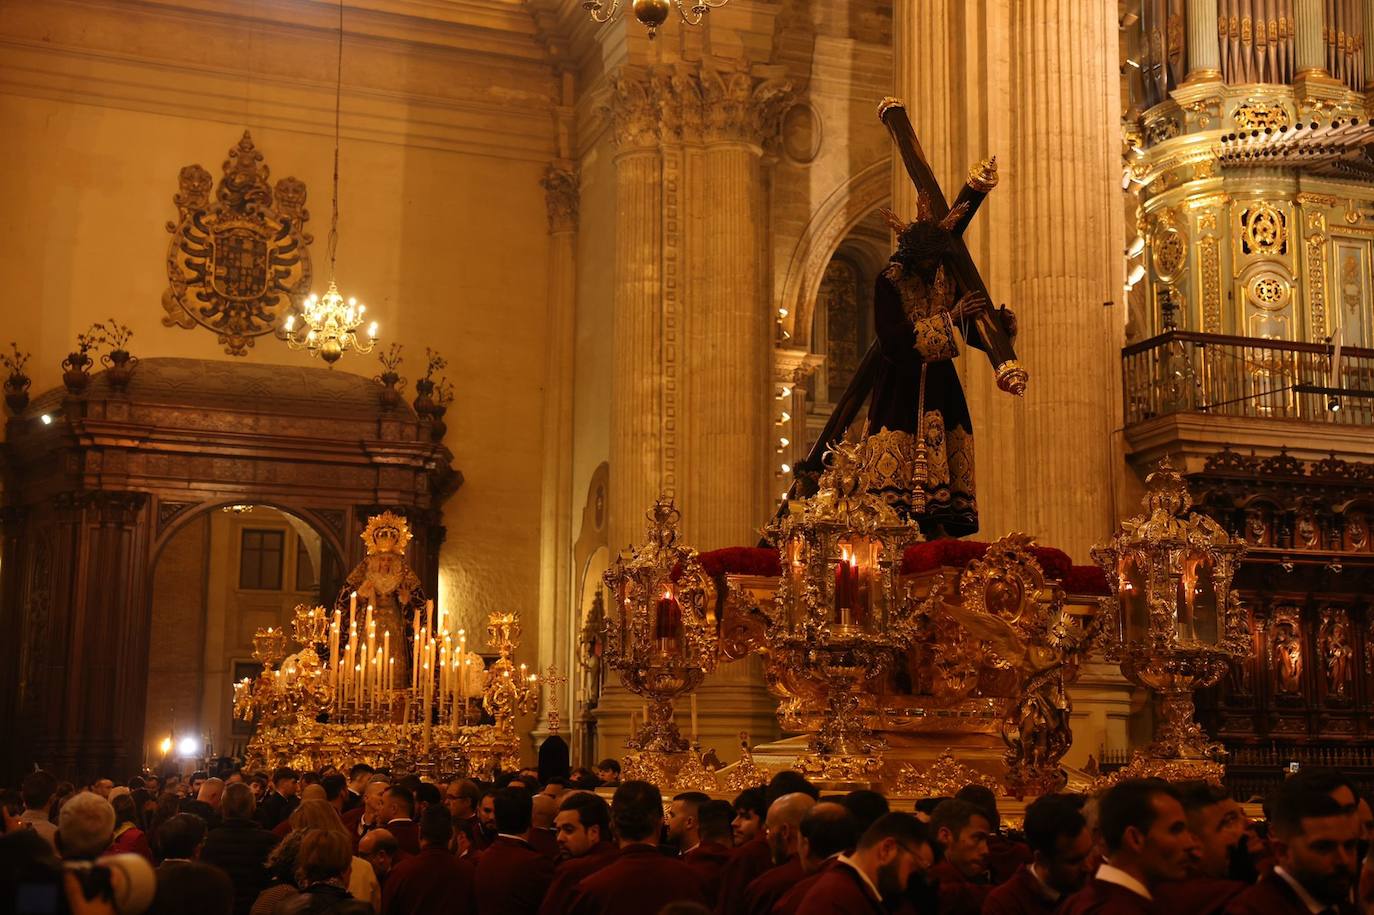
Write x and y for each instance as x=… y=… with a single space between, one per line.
x=369 y=841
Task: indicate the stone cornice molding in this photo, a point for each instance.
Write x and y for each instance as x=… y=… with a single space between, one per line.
x=694 y=103
x=561 y=196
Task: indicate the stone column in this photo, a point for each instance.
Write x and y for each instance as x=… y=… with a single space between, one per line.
x=1310 y=46
x=728 y=320
x=1204 y=49
x=1368 y=44
x=925 y=78
x=643 y=408
x=555 y=575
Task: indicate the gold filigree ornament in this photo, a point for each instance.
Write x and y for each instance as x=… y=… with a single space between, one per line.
x=238 y=263
x=693 y=774
x=658 y=634
x=310 y=625
x=1178 y=625
x=840 y=616
x=942 y=778
x=745 y=773
x=386 y=533
x=1143 y=765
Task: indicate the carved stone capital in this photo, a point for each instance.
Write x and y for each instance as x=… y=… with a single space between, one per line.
x=695 y=103
x=561 y=196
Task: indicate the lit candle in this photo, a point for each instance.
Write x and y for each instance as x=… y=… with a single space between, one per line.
x=386 y=652
x=667 y=616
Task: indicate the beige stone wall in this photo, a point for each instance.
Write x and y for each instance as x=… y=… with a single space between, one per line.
x=446 y=132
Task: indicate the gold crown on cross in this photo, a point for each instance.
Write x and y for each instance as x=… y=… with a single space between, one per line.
x=386 y=533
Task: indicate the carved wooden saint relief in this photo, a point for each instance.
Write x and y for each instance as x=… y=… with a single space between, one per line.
x=1338 y=650
x=1287 y=651
x=237 y=262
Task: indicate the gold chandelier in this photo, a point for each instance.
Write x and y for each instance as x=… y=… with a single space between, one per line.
x=330 y=322
x=653 y=13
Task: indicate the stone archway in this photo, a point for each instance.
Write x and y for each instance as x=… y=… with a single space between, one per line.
x=94 y=491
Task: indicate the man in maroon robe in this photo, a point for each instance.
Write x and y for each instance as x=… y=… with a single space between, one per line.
x=398 y=812
x=961 y=830
x=1315 y=839
x=783 y=830
x=512 y=876
x=434 y=880
x=751 y=856
x=708 y=857
x=366 y=816
x=1221 y=828
x=584 y=836
x=1148 y=842
x=827 y=831
x=543 y=835
x=890 y=852
x=1061 y=845
x=640 y=879
x=683 y=826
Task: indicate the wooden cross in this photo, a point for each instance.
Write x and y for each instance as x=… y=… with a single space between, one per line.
x=958 y=261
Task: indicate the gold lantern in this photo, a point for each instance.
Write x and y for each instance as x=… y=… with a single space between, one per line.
x=1178 y=623
x=840 y=616
x=658 y=634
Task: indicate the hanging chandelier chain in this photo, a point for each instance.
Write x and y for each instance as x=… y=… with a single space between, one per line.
x=338 y=98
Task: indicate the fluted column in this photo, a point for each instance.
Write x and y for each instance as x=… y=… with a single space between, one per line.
x=1368 y=44
x=1204 y=49
x=637 y=374
x=1310 y=47
x=556 y=624
x=925 y=78
x=1064 y=263
x=728 y=319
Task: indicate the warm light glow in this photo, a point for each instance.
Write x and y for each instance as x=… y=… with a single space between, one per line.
x=784 y=442
x=331 y=326
x=47 y=420
x=165 y=746
x=786 y=468
x=188 y=746
x=1136 y=246
x=1137 y=274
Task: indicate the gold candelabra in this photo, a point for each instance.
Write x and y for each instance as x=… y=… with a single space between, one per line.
x=658 y=634
x=1178 y=623
x=840 y=616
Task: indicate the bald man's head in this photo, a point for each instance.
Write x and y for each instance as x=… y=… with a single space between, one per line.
x=783 y=822
x=543 y=809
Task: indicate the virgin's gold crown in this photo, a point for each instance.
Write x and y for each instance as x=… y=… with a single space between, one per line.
x=386 y=533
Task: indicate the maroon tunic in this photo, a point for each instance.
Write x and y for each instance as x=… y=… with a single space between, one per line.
x=407 y=833
x=432 y=881
x=746 y=862
x=767 y=888
x=1005 y=856
x=792 y=899
x=958 y=894
x=544 y=841
x=1272 y=896
x=559 y=898
x=638 y=881
x=1023 y=894
x=512 y=878
x=1102 y=898
x=840 y=890
x=1197 y=895
x=708 y=859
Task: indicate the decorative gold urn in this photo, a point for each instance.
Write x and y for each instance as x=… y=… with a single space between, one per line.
x=840 y=616
x=1178 y=623
x=659 y=636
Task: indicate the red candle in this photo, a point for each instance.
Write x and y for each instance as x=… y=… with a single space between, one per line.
x=667 y=616
x=846 y=582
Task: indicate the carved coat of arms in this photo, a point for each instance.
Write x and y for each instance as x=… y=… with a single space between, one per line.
x=237 y=263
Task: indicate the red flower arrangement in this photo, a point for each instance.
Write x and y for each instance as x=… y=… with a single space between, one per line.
x=1087 y=580
x=950 y=553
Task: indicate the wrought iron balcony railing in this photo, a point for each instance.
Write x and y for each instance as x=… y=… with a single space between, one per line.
x=1183 y=372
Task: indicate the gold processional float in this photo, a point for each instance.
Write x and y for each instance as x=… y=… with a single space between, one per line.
x=919 y=667
x=388 y=681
